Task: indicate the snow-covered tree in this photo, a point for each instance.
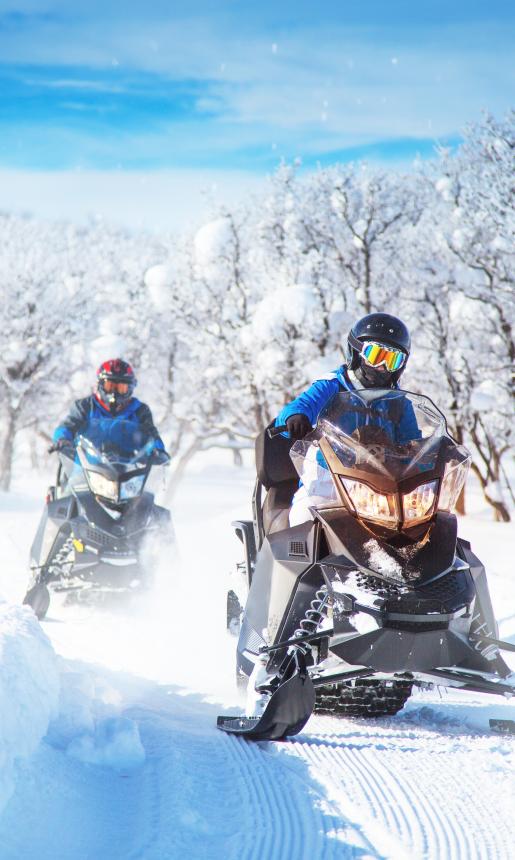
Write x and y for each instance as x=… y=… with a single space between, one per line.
x=225 y=325
x=477 y=223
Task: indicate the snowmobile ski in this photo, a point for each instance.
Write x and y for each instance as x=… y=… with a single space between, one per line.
x=286 y=713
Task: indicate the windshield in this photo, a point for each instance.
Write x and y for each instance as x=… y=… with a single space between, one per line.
x=116 y=442
x=116 y=447
x=383 y=437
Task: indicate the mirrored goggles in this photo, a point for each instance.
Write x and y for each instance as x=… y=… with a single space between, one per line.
x=376 y=354
x=110 y=386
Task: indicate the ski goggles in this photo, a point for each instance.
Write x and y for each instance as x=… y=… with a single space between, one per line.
x=376 y=354
x=110 y=387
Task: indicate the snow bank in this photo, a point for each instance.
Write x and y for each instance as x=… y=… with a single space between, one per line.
x=115 y=743
x=41 y=697
x=29 y=690
x=89 y=727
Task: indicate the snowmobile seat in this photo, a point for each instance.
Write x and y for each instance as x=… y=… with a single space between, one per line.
x=277 y=474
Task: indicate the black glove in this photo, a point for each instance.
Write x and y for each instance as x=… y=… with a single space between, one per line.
x=159 y=457
x=64 y=446
x=298 y=426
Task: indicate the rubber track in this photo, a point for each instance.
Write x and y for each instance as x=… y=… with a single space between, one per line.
x=368 y=698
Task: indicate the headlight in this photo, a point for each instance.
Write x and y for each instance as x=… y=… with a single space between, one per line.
x=132 y=488
x=103 y=486
x=372 y=505
x=419 y=504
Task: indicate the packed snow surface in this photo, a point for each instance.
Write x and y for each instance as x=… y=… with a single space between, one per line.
x=132 y=766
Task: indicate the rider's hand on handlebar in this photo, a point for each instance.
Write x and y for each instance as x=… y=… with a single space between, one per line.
x=159 y=457
x=63 y=446
x=298 y=426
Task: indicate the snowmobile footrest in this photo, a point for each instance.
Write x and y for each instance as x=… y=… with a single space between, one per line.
x=286 y=713
x=503 y=727
x=238 y=725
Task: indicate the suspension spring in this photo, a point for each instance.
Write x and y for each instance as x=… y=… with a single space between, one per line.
x=55 y=569
x=316 y=613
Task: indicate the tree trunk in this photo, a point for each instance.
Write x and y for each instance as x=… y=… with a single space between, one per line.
x=7 y=451
x=180 y=468
x=34 y=459
x=501 y=512
x=237 y=458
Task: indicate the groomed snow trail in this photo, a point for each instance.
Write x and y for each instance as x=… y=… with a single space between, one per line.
x=418 y=793
x=135 y=768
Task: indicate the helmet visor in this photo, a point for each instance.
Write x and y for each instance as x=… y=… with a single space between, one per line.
x=110 y=386
x=376 y=354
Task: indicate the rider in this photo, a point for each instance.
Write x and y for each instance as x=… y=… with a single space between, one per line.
x=112 y=399
x=378 y=347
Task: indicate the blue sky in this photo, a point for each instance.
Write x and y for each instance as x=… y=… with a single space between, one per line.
x=237 y=85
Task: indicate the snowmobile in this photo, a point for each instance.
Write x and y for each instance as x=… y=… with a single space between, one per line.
x=100 y=527
x=374 y=595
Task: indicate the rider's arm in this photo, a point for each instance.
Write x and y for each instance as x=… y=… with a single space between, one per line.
x=75 y=421
x=310 y=402
x=407 y=429
x=147 y=425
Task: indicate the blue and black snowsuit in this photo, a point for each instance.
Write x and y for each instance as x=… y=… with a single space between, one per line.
x=89 y=409
x=312 y=401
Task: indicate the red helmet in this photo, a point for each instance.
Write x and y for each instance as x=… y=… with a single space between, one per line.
x=115 y=383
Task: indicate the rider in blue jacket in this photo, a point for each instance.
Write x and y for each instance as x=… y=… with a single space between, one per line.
x=378 y=347
x=112 y=400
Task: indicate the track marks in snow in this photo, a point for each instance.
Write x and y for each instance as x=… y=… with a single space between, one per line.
x=416 y=794
x=292 y=817
x=208 y=795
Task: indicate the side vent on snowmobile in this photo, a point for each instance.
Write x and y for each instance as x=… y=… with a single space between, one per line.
x=297 y=549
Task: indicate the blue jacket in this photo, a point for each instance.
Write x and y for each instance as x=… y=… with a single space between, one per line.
x=88 y=408
x=312 y=401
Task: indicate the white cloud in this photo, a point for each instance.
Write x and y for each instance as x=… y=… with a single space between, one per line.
x=160 y=200
x=382 y=81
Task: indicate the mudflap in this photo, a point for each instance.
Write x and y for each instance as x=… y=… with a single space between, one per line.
x=286 y=713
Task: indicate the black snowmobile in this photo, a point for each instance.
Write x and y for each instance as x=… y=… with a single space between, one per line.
x=100 y=526
x=375 y=594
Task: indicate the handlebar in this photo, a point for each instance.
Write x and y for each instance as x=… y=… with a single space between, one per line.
x=67 y=450
x=276 y=431
x=159 y=457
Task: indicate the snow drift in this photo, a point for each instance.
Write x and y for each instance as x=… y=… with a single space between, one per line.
x=29 y=690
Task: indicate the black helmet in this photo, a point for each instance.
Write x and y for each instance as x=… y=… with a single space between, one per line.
x=383 y=329
x=115 y=383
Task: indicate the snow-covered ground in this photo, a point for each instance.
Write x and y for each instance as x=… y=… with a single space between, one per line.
x=132 y=766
